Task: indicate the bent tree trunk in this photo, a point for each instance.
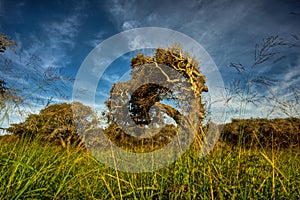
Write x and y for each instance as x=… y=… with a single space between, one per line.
x=152 y=78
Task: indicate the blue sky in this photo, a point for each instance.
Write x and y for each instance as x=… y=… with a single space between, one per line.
x=62 y=33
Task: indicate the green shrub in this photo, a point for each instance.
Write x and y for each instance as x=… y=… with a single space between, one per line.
x=281 y=133
x=54 y=123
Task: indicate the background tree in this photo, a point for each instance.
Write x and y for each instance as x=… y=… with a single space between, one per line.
x=263 y=133
x=170 y=76
x=250 y=88
x=56 y=124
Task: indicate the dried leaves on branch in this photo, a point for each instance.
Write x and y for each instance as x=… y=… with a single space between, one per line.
x=170 y=75
x=6 y=42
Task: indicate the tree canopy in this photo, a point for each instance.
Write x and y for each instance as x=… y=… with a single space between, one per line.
x=170 y=75
x=56 y=123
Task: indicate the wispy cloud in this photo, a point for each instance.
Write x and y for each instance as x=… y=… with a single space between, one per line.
x=63 y=33
x=225 y=28
x=48 y=48
x=228 y=30
x=292 y=76
x=59 y=38
x=97 y=39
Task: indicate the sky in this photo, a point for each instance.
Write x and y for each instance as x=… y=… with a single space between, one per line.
x=54 y=37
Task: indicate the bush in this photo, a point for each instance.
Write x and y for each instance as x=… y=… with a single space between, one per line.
x=281 y=133
x=54 y=123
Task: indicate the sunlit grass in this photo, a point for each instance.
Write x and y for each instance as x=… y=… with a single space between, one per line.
x=36 y=170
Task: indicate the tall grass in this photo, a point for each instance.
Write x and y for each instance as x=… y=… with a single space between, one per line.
x=30 y=169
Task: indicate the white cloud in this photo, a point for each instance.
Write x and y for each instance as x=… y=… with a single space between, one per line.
x=98 y=38
x=47 y=48
x=63 y=33
x=120 y=9
x=110 y=78
x=292 y=76
x=54 y=39
x=130 y=25
x=228 y=30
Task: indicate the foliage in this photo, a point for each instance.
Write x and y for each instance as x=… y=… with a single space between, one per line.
x=3 y=92
x=276 y=98
x=9 y=100
x=3 y=88
x=55 y=123
x=135 y=144
x=6 y=42
x=169 y=75
x=276 y=133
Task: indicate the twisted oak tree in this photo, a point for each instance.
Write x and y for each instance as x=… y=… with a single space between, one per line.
x=170 y=75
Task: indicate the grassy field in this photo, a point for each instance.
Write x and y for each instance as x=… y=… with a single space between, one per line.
x=43 y=171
